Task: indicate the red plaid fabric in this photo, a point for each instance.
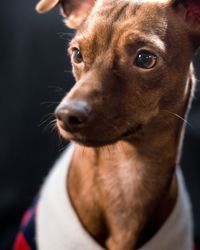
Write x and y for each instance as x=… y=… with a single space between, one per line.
x=25 y=239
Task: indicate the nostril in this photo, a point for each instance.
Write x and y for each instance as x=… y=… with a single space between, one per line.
x=75 y=120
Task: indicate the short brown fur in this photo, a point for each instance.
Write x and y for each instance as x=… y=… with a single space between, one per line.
x=122 y=179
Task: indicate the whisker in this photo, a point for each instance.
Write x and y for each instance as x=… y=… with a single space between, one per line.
x=49 y=103
x=180 y=117
x=53 y=129
x=68 y=71
x=62 y=148
x=49 y=125
x=57 y=88
x=46 y=118
x=60 y=145
x=66 y=35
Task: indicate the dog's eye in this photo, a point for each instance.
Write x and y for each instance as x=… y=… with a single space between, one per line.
x=77 y=56
x=145 y=60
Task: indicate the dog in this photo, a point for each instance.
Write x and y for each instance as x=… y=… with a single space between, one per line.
x=119 y=185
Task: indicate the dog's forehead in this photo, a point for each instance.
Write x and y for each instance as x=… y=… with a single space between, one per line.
x=132 y=2
x=112 y=21
x=149 y=1
x=118 y=12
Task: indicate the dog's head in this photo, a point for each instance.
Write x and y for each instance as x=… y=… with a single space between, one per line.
x=131 y=63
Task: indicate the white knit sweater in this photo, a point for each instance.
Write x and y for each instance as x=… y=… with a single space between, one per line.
x=58 y=227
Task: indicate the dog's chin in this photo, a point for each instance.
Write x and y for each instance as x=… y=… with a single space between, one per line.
x=91 y=142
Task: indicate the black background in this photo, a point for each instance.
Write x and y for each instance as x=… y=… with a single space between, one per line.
x=34 y=75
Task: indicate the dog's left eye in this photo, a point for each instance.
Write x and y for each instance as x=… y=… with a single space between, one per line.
x=145 y=60
x=77 y=56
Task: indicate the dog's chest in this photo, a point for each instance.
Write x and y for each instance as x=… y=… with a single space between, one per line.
x=101 y=190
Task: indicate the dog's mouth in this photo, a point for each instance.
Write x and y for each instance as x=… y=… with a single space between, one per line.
x=129 y=134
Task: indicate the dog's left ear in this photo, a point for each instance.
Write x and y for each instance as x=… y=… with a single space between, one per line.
x=74 y=11
x=189 y=12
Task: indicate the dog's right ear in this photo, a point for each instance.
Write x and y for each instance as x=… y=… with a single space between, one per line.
x=46 y=5
x=189 y=13
x=74 y=11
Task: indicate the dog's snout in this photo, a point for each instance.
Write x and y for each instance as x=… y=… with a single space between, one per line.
x=73 y=115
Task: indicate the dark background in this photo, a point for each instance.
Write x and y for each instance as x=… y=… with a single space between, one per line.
x=34 y=75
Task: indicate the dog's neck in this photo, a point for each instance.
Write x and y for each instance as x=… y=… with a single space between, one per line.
x=103 y=181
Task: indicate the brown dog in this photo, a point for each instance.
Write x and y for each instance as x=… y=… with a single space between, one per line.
x=131 y=60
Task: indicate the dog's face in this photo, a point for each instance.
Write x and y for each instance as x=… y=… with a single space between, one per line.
x=130 y=60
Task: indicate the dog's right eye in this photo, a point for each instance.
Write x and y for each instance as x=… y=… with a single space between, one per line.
x=77 y=56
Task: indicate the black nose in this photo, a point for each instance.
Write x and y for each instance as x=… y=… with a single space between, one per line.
x=73 y=115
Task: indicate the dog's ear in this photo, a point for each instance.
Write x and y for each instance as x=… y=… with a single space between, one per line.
x=46 y=5
x=189 y=11
x=74 y=11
